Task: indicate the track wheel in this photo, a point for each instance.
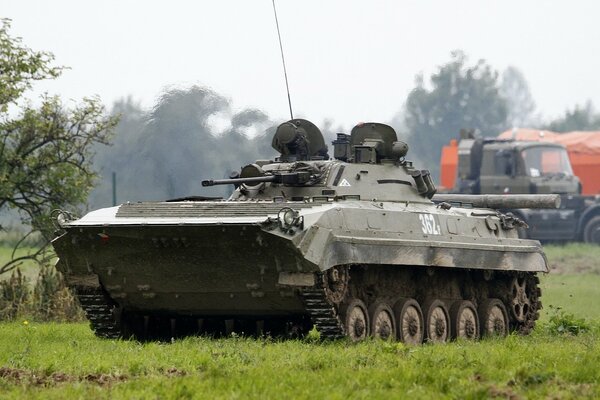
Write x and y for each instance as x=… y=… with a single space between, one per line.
x=356 y=320
x=493 y=318
x=523 y=302
x=383 y=323
x=437 y=321
x=464 y=320
x=520 y=301
x=409 y=319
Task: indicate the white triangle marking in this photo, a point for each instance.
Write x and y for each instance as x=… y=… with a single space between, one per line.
x=344 y=182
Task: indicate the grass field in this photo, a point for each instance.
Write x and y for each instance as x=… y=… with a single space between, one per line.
x=574 y=258
x=57 y=361
x=67 y=361
x=576 y=294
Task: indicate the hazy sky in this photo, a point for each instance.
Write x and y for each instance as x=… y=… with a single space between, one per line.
x=347 y=60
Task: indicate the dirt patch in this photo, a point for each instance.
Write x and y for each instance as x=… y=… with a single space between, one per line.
x=174 y=372
x=23 y=376
x=503 y=393
x=104 y=379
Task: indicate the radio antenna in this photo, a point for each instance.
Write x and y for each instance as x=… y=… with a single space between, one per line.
x=287 y=86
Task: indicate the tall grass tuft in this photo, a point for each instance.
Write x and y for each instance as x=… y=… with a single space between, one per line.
x=52 y=300
x=48 y=300
x=15 y=296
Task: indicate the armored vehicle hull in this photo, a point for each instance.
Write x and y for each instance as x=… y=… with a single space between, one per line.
x=350 y=248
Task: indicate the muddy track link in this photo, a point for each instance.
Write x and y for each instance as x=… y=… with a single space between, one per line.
x=99 y=311
x=322 y=313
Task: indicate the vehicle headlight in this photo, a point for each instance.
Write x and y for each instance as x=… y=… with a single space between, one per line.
x=288 y=218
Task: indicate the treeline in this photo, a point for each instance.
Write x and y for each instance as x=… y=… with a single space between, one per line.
x=193 y=134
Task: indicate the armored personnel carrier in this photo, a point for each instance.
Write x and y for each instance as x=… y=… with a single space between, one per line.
x=355 y=245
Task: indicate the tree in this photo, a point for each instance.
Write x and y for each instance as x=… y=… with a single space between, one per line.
x=460 y=96
x=519 y=102
x=190 y=134
x=581 y=118
x=176 y=145
x=46 y=150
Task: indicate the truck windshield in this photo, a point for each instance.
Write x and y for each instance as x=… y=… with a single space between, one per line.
x=546 y=160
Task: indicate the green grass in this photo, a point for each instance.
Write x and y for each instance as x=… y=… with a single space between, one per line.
x=574 y=294
x=57 y=361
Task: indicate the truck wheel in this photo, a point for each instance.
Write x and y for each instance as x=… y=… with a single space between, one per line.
x=591 y=232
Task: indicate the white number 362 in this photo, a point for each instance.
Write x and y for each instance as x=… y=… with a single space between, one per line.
x=429 y=224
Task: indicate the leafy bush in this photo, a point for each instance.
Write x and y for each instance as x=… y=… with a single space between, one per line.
x=562 y=323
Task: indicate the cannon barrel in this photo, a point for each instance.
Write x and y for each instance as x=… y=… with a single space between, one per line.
x=287 y=178
x=235 y=181
x=501 y=200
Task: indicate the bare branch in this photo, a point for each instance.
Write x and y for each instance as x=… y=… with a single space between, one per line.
x=15 y=262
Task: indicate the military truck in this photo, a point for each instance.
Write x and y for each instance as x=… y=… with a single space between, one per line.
x=507 y=166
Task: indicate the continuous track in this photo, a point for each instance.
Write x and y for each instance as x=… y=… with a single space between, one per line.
x=99 y=311
x=322 y=313
x=105 y=322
